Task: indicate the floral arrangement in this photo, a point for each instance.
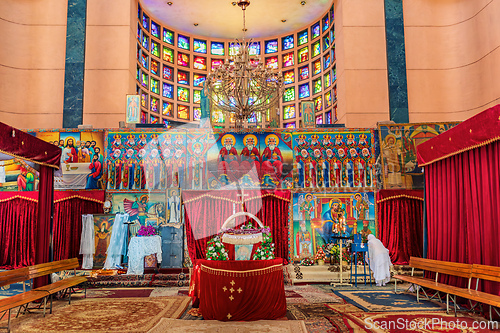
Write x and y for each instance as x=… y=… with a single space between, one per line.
x=266 y=249
x=334 y=250
x=320 y=254
x=307 y=262
x=216 y=250
x=146 y=231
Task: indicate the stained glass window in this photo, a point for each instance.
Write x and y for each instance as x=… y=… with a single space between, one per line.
x=304 y=73
x=318 y=104
x=145 y=21
x=327 y=80
x=155 y=29
x=217 y=48
x=254 y=48
x=182 y=59
x=144 y=60
x=216 y=63
x=288 y=60
x=199 y=79
x=155 y=86
x=155 y=49
x=144 y=99
x=199 y=46
x=182 y=77
x=183 y=94
x=326 y=23
x=196 y=96
x=183 y=42
x=289 y=112
x=328 y=99
x=233 y=49
x=289 y=76
x=334 y=73
x=196 y=113
x=168 y=90
x=272 y=62
x=287 y=42
x=168 y=36
x=145 y=42
x=303 y=54
x=144 y=118
x=145 y=80
x=168 y=55
x=153 y=119
x=316 y=49
x=155 y=65
x=317 y=86
x=302 y=37
x=289 y=94
x=319 y=119
x=183 y=112
x=271 y=46
x=328 y=117
x=304 y=91
x=200 y=63
x=168 y=73
x=315 y=31
x=167 y=109
x=317 y=67
x=154 y=104
x=326 y=61
x=218 y=116
x=290 y=125
x=326 y=43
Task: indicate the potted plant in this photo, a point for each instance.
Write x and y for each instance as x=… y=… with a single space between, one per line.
x=320 y=256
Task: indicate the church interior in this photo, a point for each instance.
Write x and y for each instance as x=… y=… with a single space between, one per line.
x=271 y=166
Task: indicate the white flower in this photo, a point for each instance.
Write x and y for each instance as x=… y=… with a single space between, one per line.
x=223 y=251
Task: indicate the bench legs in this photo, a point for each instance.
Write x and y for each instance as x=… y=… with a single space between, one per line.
x=8 y=320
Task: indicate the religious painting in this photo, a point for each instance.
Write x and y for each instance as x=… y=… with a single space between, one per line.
x=250 y=160
x=133 y=115
x=103 y=224
x=198 y=144
x=335 y=160
x=173 y=216
x=398 y=152
x=18 y=175
x=82 y=159
x=320 y=218
x=145 y=160
x=243 y=252
x=142 y=207
x=307 y=112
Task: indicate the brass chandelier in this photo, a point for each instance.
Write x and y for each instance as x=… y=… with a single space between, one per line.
x=242 y=87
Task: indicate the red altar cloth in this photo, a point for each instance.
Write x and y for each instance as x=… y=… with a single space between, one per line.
x=239 y=290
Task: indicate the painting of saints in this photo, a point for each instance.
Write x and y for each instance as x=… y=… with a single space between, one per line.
x=228 y=157
x=69 y=153
x=197 y=164
x=250 y=155
x=138 y=211
x=272 y=160
x=95 y=174
x=102 y=234
x=303 y=241
x=305 y=169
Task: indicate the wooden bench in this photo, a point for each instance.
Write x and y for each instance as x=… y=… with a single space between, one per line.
x=27 y=274
x=438 y=267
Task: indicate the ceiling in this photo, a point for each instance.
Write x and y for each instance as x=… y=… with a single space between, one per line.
x=222 y=19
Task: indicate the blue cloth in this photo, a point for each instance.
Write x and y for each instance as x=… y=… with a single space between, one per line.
x=118 y=242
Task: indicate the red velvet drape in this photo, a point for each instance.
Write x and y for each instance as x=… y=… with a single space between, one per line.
x=17 y=231
x=463 y=209
x=400 y=223
x=45 y=201
x=205 y=212
x=68 y=225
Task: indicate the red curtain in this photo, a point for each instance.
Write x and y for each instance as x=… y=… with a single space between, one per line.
x=68 y=224
x=205 y=212
x=400 y=223
x=463 y=209
x=45 y=201
x=17 y=230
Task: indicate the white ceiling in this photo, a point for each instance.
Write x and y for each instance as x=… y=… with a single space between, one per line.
x=220 y=19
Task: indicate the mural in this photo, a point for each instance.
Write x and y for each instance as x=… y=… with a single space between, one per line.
x=398 y=152
x=320 y=217
x=335 y=159
x=18 y=175
x=250 y=160
x=103 y=224
x=144 y=208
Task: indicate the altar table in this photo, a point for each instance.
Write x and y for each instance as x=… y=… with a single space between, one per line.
x=138 y=248
x=239 y=290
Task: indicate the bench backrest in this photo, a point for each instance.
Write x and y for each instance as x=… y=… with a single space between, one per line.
x=13 y=276
x=442 y=267
x=52 y=267
x=485 y=272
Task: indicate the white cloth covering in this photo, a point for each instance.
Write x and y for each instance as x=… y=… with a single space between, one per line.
x=87 y=241
x=117 y=242
x=380 y=262
x=140 y=247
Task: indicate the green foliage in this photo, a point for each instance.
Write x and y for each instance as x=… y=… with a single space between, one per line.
x=266 y=249
x=216 y=250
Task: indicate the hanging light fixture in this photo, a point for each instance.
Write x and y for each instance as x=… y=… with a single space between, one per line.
x=242 y=87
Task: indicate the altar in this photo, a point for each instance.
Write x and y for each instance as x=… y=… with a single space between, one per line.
x=239 y=290
x=140 y=247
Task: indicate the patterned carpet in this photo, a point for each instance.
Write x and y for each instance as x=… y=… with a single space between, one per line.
x=96 y=315
x=385 y=301
x=270 y=326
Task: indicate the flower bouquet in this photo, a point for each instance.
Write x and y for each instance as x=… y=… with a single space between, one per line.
x=320 y=255
x=266 y=248
x=216 y=250
x=307 y=262
x=146 y=231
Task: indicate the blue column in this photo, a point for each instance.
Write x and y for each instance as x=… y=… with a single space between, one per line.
x=75 y=63
x=396 y=61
